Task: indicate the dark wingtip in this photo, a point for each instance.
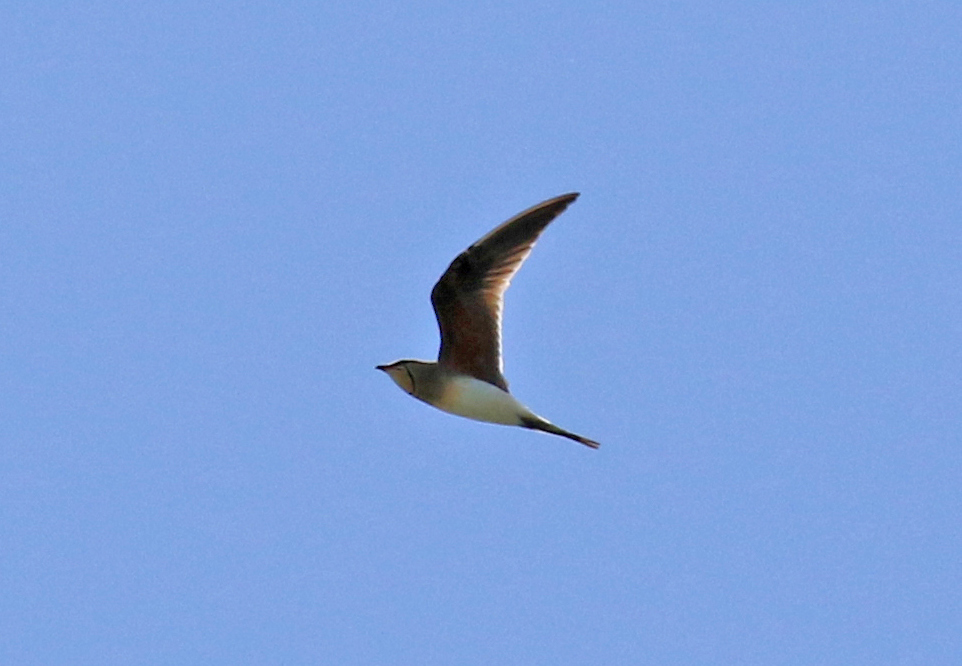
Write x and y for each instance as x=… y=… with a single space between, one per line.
x=546 y=426
x=567 y=199
x=590 y=443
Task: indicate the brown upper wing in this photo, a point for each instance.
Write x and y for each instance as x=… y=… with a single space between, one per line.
x=469 y=297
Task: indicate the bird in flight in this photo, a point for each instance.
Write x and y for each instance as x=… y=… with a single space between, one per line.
x=468 y=300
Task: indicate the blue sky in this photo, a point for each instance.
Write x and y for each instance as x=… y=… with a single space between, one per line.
x=217 y=218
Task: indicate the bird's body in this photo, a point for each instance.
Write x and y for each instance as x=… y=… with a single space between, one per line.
x=481 y=401
x=467 y=378
x=459 y=394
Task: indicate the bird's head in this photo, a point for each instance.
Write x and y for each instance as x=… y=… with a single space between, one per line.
x=402 y=373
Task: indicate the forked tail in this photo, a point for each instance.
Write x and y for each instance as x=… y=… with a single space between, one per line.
x=547 y=426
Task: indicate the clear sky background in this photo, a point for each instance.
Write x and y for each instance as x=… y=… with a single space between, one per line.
x=217 y=218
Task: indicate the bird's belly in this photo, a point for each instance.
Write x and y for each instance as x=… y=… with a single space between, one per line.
x=481 y=401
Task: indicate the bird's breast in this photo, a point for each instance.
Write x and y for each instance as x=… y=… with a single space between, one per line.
x=481 y=401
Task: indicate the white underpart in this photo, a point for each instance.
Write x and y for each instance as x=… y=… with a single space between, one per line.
x=481 y=401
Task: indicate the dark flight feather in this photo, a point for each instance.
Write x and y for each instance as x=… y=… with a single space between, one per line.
x=469 y=298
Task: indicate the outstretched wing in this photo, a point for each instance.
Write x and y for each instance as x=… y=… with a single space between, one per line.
x=469 y=297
